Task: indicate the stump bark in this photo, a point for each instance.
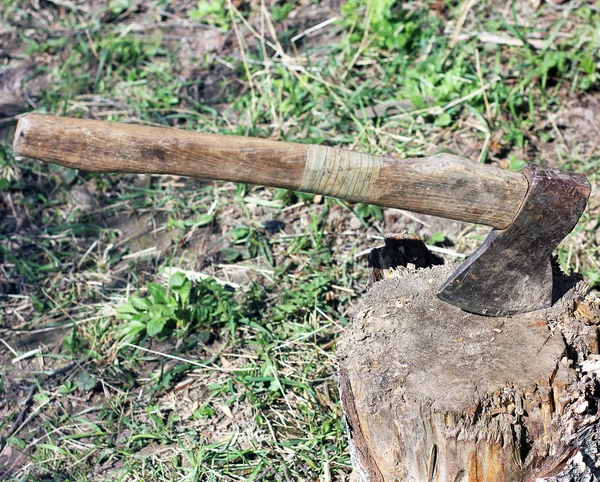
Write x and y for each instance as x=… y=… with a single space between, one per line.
x=432 y=393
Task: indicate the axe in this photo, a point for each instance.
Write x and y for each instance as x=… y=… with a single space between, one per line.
x=530 y=211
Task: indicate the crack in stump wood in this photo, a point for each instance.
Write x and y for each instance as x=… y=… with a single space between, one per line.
x=359 y=445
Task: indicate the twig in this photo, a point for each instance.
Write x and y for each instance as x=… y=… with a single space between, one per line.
x=12 y=350
x=475 y=93
x=449 y=252
x=140 y=254
x=464 y=11
x=238 y=36
x=33 y=388
x=485 y=99
x=363 y=45
x=11 y=118
x=412 y=217
x=25 y=355
x=184 y=360
x=198 y=276
x=314 y=29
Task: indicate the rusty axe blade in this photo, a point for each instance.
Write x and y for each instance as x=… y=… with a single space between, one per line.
x=511 y=271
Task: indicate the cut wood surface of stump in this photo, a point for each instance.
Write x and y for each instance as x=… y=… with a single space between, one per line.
x=432 y=393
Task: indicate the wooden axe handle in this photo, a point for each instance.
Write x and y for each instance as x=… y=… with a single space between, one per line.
x=442 y=185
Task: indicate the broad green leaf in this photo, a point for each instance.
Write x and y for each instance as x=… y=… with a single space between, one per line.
x=126 y=308
x=184 y=292
x=86 y=382
x=158 y=292
x=515 y=164
x=141 y=303
x=155 y=325
x=177 y=280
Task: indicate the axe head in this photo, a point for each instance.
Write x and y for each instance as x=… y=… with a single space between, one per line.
x=511 y=271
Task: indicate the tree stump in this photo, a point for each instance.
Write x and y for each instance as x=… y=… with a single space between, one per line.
x=432 y=393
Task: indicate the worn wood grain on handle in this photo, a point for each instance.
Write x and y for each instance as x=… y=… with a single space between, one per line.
x=442 y=185
x=99 y=146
